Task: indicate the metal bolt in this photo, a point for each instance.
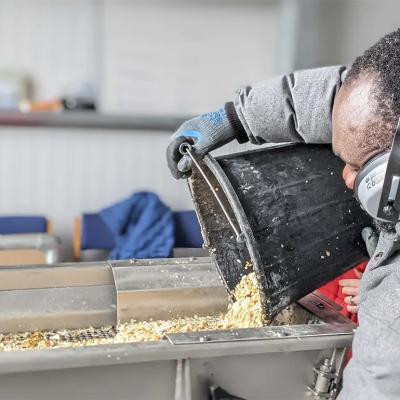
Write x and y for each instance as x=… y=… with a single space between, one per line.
x=323 y=380
x=320 y=305
x=184 y=148
x=326 y=365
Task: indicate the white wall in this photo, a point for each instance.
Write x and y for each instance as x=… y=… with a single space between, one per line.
x=54 y=41
x=158 y=56
x=184 y=56
x=62 y=173
x=180 y=55
x=334 y=32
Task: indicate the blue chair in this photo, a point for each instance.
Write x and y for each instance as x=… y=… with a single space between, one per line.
x=187 y=230
x=91 y=233
x=23 y=224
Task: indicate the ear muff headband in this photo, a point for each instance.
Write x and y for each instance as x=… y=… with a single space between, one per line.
x=377 y=184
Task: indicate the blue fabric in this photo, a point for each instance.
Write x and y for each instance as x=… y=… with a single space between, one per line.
x=142 y=227
x=95 y=234
x=22 y=224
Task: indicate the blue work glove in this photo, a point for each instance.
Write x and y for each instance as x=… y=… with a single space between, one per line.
x=206 y=132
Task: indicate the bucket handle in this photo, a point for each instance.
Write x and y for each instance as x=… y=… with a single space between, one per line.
x=186 y=149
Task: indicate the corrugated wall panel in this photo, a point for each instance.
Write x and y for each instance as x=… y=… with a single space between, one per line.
x=61 y=173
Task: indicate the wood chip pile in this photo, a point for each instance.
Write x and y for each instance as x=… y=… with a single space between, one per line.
x=244 y=312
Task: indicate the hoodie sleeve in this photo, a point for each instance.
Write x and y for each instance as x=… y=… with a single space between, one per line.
x=289 y=108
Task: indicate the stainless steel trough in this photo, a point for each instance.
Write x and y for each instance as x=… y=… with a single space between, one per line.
x=298 y=359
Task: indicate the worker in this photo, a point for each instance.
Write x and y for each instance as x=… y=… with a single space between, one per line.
x=356 y=110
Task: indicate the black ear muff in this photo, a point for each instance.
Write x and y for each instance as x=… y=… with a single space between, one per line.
x=369 y=183
x=377 y=184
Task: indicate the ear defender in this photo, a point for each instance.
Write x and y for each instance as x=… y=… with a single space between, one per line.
x=377 y=184
x=369 y=183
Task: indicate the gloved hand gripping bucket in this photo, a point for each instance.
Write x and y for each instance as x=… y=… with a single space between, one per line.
x=282 y=212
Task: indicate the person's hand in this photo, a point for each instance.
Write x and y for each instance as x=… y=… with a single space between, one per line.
x=206 y=132
x=351 y=287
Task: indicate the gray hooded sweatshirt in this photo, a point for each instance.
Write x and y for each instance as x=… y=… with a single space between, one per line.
x=298 y=108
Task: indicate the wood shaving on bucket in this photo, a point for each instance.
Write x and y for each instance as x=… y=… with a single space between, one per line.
x=245 y=312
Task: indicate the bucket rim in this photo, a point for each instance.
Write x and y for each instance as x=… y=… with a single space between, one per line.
x=243 y=222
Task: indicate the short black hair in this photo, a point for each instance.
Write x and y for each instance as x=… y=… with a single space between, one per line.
x=383 y=59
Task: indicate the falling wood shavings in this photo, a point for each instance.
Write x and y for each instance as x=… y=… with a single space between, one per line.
x=246 y=311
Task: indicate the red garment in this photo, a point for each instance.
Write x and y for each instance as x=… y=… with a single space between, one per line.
x=333 y=291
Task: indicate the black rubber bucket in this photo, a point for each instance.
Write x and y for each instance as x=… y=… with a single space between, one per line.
x=299 y=225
